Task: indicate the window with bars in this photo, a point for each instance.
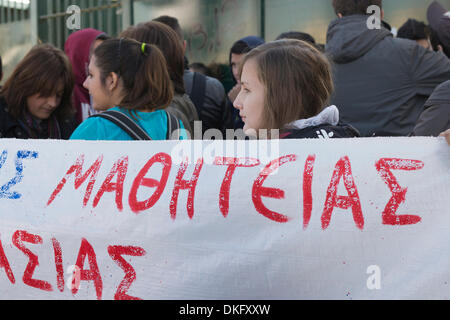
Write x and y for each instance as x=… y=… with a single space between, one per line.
x=14 y=10
x=104 y=15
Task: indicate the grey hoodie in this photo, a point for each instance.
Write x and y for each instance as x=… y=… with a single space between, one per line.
x=381 y=82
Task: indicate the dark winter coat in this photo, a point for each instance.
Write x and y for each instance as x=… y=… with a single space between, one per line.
x=214 y=112
x=13 y=128
x=381 y=82
x=436 y=117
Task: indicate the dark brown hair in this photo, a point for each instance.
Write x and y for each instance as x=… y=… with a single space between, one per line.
x=166 y=39
x=351 y=7
x=414 y=30
x=142 y=70
x=297 y=78
x=101 y=37
x=173 y=23
x=41 y=72
x=297 y=35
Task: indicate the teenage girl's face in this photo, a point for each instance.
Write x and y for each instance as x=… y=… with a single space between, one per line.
x=250 y=100
x=101 y=99
x=42 y=107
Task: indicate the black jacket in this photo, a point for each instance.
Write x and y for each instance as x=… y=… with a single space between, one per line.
x=436 y=117
x=323 y=131
x=11 y=127
x=214 y=112
x=381 y=82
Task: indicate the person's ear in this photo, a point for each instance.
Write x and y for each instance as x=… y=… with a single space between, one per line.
x=340 y=15
x=382 y=14
x=184 y=46
x=112 y=81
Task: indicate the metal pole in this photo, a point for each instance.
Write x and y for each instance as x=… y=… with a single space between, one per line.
x=66 y=30
x=60 y=25
x=2 y=12
x=34 y=22
x=16 y=11
x=8 y=12
x=263 y=19
x=91 y=14
x=127 y=16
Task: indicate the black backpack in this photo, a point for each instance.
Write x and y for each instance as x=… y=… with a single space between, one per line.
x=198 y=92
x=133 y=129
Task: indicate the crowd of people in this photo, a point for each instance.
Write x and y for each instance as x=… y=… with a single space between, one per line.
x=364 y=82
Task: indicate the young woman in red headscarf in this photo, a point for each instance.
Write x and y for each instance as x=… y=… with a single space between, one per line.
x=78 y=48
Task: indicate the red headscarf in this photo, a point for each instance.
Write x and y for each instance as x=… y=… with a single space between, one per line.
x=77 y=48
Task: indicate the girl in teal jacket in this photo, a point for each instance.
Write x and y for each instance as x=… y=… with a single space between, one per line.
x=130 y=77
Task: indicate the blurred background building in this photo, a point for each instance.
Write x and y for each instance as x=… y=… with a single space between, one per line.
x=210 y=26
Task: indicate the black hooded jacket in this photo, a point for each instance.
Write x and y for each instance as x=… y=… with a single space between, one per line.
x=436 y=117
x=381 y=82
x=213 y=111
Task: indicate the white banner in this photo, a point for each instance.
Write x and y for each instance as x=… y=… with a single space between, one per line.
x=312 y=219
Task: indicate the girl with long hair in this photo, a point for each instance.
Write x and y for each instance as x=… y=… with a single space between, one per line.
x=36 y=99
x=286 y=86
x=131 y=79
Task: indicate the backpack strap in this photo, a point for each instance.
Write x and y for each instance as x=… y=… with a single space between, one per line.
x=172 y=125
x=198 y=91
x=125 y=123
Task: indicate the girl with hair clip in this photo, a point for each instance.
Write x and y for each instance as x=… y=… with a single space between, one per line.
x=286 y=85
x=36 y=100
x=129 y=79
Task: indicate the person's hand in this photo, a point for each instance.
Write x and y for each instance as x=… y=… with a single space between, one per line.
x=234 y=92
x=446 y=135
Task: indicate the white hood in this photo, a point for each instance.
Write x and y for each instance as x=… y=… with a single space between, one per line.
x=329 y=115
